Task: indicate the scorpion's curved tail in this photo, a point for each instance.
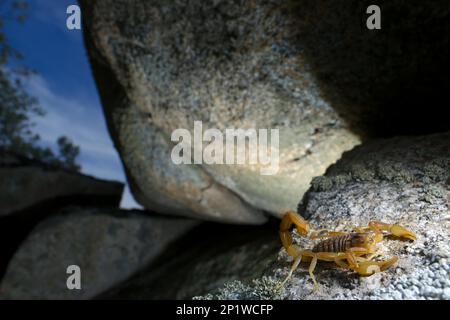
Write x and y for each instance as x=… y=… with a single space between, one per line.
x=292 y=218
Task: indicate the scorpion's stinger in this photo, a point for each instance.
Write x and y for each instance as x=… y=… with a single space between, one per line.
x=292 y=218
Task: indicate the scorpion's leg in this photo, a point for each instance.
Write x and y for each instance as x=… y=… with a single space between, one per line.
x=325 y=256
x=313 y=257
x=338 y=260
x=351 y=254
x=373 y=255
x=297 y=259
x=312 y=266
x=293 y=268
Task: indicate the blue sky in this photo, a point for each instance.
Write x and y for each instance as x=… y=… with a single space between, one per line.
x=65 y=88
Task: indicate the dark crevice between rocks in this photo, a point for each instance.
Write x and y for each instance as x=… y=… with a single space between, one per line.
x=387 y=82
x=15 y=227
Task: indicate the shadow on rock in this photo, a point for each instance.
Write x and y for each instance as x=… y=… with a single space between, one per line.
x=392 y=81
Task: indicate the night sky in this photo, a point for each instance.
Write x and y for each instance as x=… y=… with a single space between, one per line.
x=65 y=88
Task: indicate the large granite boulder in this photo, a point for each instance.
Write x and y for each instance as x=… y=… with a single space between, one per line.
x=109 y=245
x=309 y=68
x=162 y=65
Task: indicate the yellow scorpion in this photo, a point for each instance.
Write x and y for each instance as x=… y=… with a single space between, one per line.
x=354 y=250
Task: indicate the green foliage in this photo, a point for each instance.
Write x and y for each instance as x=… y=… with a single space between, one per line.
x=68 y=153
x=17 y=106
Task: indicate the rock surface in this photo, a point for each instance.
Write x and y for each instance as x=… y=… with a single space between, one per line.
x=403 y=180
x=109 y=245
x=26 y=184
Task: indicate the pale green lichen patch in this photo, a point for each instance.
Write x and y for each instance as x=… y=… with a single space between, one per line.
x=264 y=288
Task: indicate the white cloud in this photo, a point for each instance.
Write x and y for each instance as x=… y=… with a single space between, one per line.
x=84 y=123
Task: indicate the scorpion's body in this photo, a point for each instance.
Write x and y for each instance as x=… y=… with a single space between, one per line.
x=340 y=243
x=354 y=251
